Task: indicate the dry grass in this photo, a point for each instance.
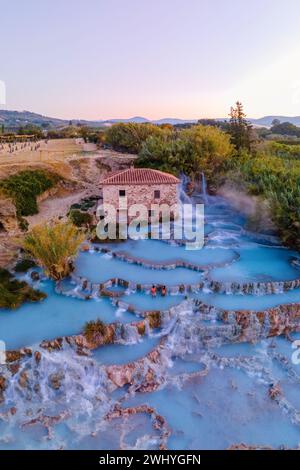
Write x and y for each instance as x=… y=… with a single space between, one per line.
x=54 y=247
x=56 y=149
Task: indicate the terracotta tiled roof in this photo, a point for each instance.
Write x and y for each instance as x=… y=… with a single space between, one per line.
x=139 y=176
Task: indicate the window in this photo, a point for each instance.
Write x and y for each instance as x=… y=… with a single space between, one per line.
x=122 y=192
x=150 y=213
x=157 y=194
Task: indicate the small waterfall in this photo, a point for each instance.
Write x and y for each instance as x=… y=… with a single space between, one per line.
x=204 y=188
x=183 y=197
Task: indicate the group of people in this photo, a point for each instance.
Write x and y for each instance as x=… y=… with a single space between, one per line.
x=163 y=291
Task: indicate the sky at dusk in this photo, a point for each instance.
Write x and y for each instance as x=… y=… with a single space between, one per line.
x=98 y=59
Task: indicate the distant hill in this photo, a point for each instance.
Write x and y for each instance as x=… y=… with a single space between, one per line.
x=175 y=121
x=267 y=120
x=140 y=119
x=16 y=119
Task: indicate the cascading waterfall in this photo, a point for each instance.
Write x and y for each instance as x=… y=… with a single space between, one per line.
x=183 y=197
x=204 y=188
x=197 y=360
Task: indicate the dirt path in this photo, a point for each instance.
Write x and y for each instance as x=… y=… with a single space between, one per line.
x=55 y=207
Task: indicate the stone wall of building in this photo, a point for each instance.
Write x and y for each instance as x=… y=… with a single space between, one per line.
x=140 y=194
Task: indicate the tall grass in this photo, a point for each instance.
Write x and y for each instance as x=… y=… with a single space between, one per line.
x=54 y=247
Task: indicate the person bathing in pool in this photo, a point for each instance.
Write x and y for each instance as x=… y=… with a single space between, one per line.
x=153 y=291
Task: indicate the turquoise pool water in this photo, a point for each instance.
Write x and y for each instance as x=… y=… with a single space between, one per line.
x=53 y=317
x=259 y=264
x=145 y=302
x=124 y=353
x=155 y=250
x=249 y=302
x=99 y=268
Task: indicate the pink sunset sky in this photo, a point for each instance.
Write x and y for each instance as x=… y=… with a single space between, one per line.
x=101 y=59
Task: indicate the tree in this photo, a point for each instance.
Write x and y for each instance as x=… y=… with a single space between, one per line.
x=208 y=122
x=162 y=152
x=239 y=128
x=54 y=247
x=275 y=122
x=129 y=137
x=31 y=129
x=207 y=149
x=286 y=128
x=191 y=151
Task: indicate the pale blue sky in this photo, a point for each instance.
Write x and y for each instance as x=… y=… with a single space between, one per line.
x=98 y=59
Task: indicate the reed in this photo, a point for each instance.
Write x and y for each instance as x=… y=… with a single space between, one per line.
x=54 y=246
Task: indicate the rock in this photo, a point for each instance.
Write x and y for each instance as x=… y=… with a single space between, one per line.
x=56 y=379
x=8 y=215
x=35 y=276
x=82 y=352
x=54 y=344
x=14 y=368
x=2 y=383
x=275 y=391
x=26 y=351
x=37 y=356
x=243 y=446
x=158 y=421
x=12 y=356
x=23 y=379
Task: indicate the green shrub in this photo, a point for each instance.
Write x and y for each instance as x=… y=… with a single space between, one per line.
x=23 y=224
x=25 y=186
x=24 y=264
x=13 y=292
x=79 y=218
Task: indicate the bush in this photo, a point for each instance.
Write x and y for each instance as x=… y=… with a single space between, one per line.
x=13 y=292
x=24 y=187
x=79 y=218
x=24 y=264
x=23 y=224
x=94 y=329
